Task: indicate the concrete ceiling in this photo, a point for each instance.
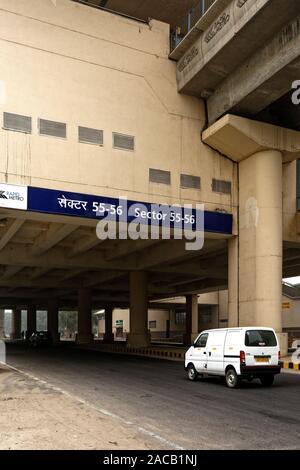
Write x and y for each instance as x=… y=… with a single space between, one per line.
x=169 y=11
x=44 y=256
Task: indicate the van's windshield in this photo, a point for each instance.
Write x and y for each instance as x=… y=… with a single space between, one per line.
x=261 y=338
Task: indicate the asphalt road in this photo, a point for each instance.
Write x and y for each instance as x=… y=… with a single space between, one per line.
x=155 y=394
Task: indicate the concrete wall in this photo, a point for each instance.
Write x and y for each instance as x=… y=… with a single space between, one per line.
x=160 y=316
x=219 y=305
x=290 y=313
x=74 y=64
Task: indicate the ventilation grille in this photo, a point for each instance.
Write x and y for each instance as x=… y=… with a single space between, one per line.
x=16 y=122
x=123 y=142
x=159 y=176
x=220 y=186
x=90 y=136
x=190 y=181
x=53 y=128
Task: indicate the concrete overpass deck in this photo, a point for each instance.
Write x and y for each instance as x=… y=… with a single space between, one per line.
x=241 y=56
x=42 y=255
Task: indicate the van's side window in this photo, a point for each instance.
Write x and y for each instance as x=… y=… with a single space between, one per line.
x=201 y=341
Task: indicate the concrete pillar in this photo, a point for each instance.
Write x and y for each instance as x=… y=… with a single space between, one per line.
x=108 y=335
x=84 y=316
x=191 y=319
x=255 y=262
x=52 y=319
x=31 y=320
x=233 y=282
x=16 y=324
x=139 y=335
x=2 y=311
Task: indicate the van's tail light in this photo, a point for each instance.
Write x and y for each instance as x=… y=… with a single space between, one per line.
x=242 y=357
x=279 y=356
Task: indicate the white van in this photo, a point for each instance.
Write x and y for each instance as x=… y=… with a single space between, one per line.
x=236 y=354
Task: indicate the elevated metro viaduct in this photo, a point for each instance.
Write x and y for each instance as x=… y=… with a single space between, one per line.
x=95 y=105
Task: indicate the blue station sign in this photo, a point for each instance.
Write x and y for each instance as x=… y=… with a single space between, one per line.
x=122 y=210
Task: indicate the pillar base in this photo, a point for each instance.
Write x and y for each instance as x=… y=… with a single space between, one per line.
x=108 y=338
x=139 y=340
x=283 y=343
x=84 y=339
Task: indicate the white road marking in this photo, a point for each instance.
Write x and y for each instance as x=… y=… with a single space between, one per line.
x=99 y=410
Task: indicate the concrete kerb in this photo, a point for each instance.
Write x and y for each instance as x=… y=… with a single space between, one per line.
x=170 y=354
x=294 y=366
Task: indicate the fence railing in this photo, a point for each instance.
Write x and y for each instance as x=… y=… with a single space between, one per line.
x=189 y=21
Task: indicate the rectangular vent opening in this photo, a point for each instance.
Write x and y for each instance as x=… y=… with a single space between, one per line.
x=88 y=135
x=220 y=186
x=123 y=141
x=17 y=122
x=190 y=181
x=159 y=176
x=53 y=128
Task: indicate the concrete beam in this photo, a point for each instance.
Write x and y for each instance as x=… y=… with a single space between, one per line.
x=58 y=259
x=39 y=272
x=207 y=267
x=12 y=229
x=100 y=278
x=228 y=40
x=52 y=237
x=11 y=271
x=204 y=286
x=127 y=247
x=262 y=79
x=85 y=244
x=238 y=138
x=70 y=274
x=165 y=252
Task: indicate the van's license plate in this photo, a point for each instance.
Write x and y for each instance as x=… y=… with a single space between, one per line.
x=261 y=359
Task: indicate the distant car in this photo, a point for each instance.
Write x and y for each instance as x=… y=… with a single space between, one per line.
x=236 y=354
x=40 y=338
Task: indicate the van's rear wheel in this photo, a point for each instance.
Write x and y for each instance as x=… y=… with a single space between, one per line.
x=231 y=378
x=191 y=372
x=267 y=380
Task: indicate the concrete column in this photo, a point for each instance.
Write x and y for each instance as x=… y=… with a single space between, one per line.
x=139 y=335
x=255 y=280
x=52 y=319
x=191 y=319
x=84 y=316
x=108 y=335
x=16 y=324
x=2 y=311
x=233 y=282
x=31 y=320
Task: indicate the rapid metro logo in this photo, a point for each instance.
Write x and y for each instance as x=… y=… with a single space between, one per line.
x=3 y=195
x=13 y=196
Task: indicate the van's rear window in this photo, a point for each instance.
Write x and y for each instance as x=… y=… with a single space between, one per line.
x=260 y=338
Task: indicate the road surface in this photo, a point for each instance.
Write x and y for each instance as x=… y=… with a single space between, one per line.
x=155 y=395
